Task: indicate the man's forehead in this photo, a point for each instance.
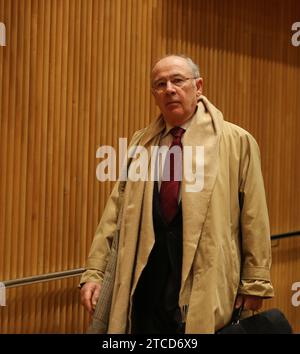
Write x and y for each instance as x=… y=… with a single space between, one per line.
x=170 y=66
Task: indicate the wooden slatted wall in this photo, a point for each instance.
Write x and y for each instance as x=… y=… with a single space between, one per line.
x=74 y=75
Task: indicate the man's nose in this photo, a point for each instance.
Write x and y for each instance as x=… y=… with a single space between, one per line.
x=170 y=87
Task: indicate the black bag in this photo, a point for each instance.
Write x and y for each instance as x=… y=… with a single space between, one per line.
x=267 y=322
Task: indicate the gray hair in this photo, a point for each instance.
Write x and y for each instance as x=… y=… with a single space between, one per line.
x=194 y=67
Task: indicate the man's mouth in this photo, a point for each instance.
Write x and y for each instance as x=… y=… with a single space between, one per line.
x=173 y=102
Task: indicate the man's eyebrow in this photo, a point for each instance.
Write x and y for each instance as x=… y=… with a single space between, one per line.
x=169 y=77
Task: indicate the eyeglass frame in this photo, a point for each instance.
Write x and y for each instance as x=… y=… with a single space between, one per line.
x=160 y=90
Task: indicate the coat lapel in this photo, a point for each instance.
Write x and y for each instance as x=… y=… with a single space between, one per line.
x=150 y=138
x=205 y=130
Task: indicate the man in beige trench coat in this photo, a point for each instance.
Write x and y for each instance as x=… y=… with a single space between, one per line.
x=225 y=253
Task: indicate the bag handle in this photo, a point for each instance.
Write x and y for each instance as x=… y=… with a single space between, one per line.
x=237 y=312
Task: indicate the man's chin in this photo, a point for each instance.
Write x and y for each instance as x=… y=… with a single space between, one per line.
x=175 y=109
x=175 y=118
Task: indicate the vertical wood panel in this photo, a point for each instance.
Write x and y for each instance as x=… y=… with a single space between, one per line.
x=75 y=75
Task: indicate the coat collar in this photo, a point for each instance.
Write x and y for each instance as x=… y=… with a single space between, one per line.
x=205 y=131
x=153 y=130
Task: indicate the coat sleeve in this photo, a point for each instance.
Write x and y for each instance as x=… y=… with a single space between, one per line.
x=100 y=248
x=254 y=219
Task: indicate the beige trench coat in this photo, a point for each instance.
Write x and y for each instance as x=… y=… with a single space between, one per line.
x=226 y=236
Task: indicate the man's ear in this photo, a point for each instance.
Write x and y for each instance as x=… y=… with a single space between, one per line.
x=199 y=85
x=154 y=95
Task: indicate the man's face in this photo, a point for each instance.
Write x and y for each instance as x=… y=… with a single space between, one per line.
x=177 y=103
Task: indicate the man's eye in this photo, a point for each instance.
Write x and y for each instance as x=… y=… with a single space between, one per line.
x=178 y=81
x=160 y=85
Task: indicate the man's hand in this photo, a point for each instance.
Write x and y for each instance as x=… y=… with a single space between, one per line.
x=251 y=302
x=89 y=295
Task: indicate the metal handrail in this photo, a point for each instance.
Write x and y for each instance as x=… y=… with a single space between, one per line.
x=287 y=234
x=78 y=271
x=43 y=277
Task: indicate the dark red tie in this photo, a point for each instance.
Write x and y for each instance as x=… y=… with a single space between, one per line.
x=169 y=189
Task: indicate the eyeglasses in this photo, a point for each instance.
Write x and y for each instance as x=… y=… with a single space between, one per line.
x=161 y=85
